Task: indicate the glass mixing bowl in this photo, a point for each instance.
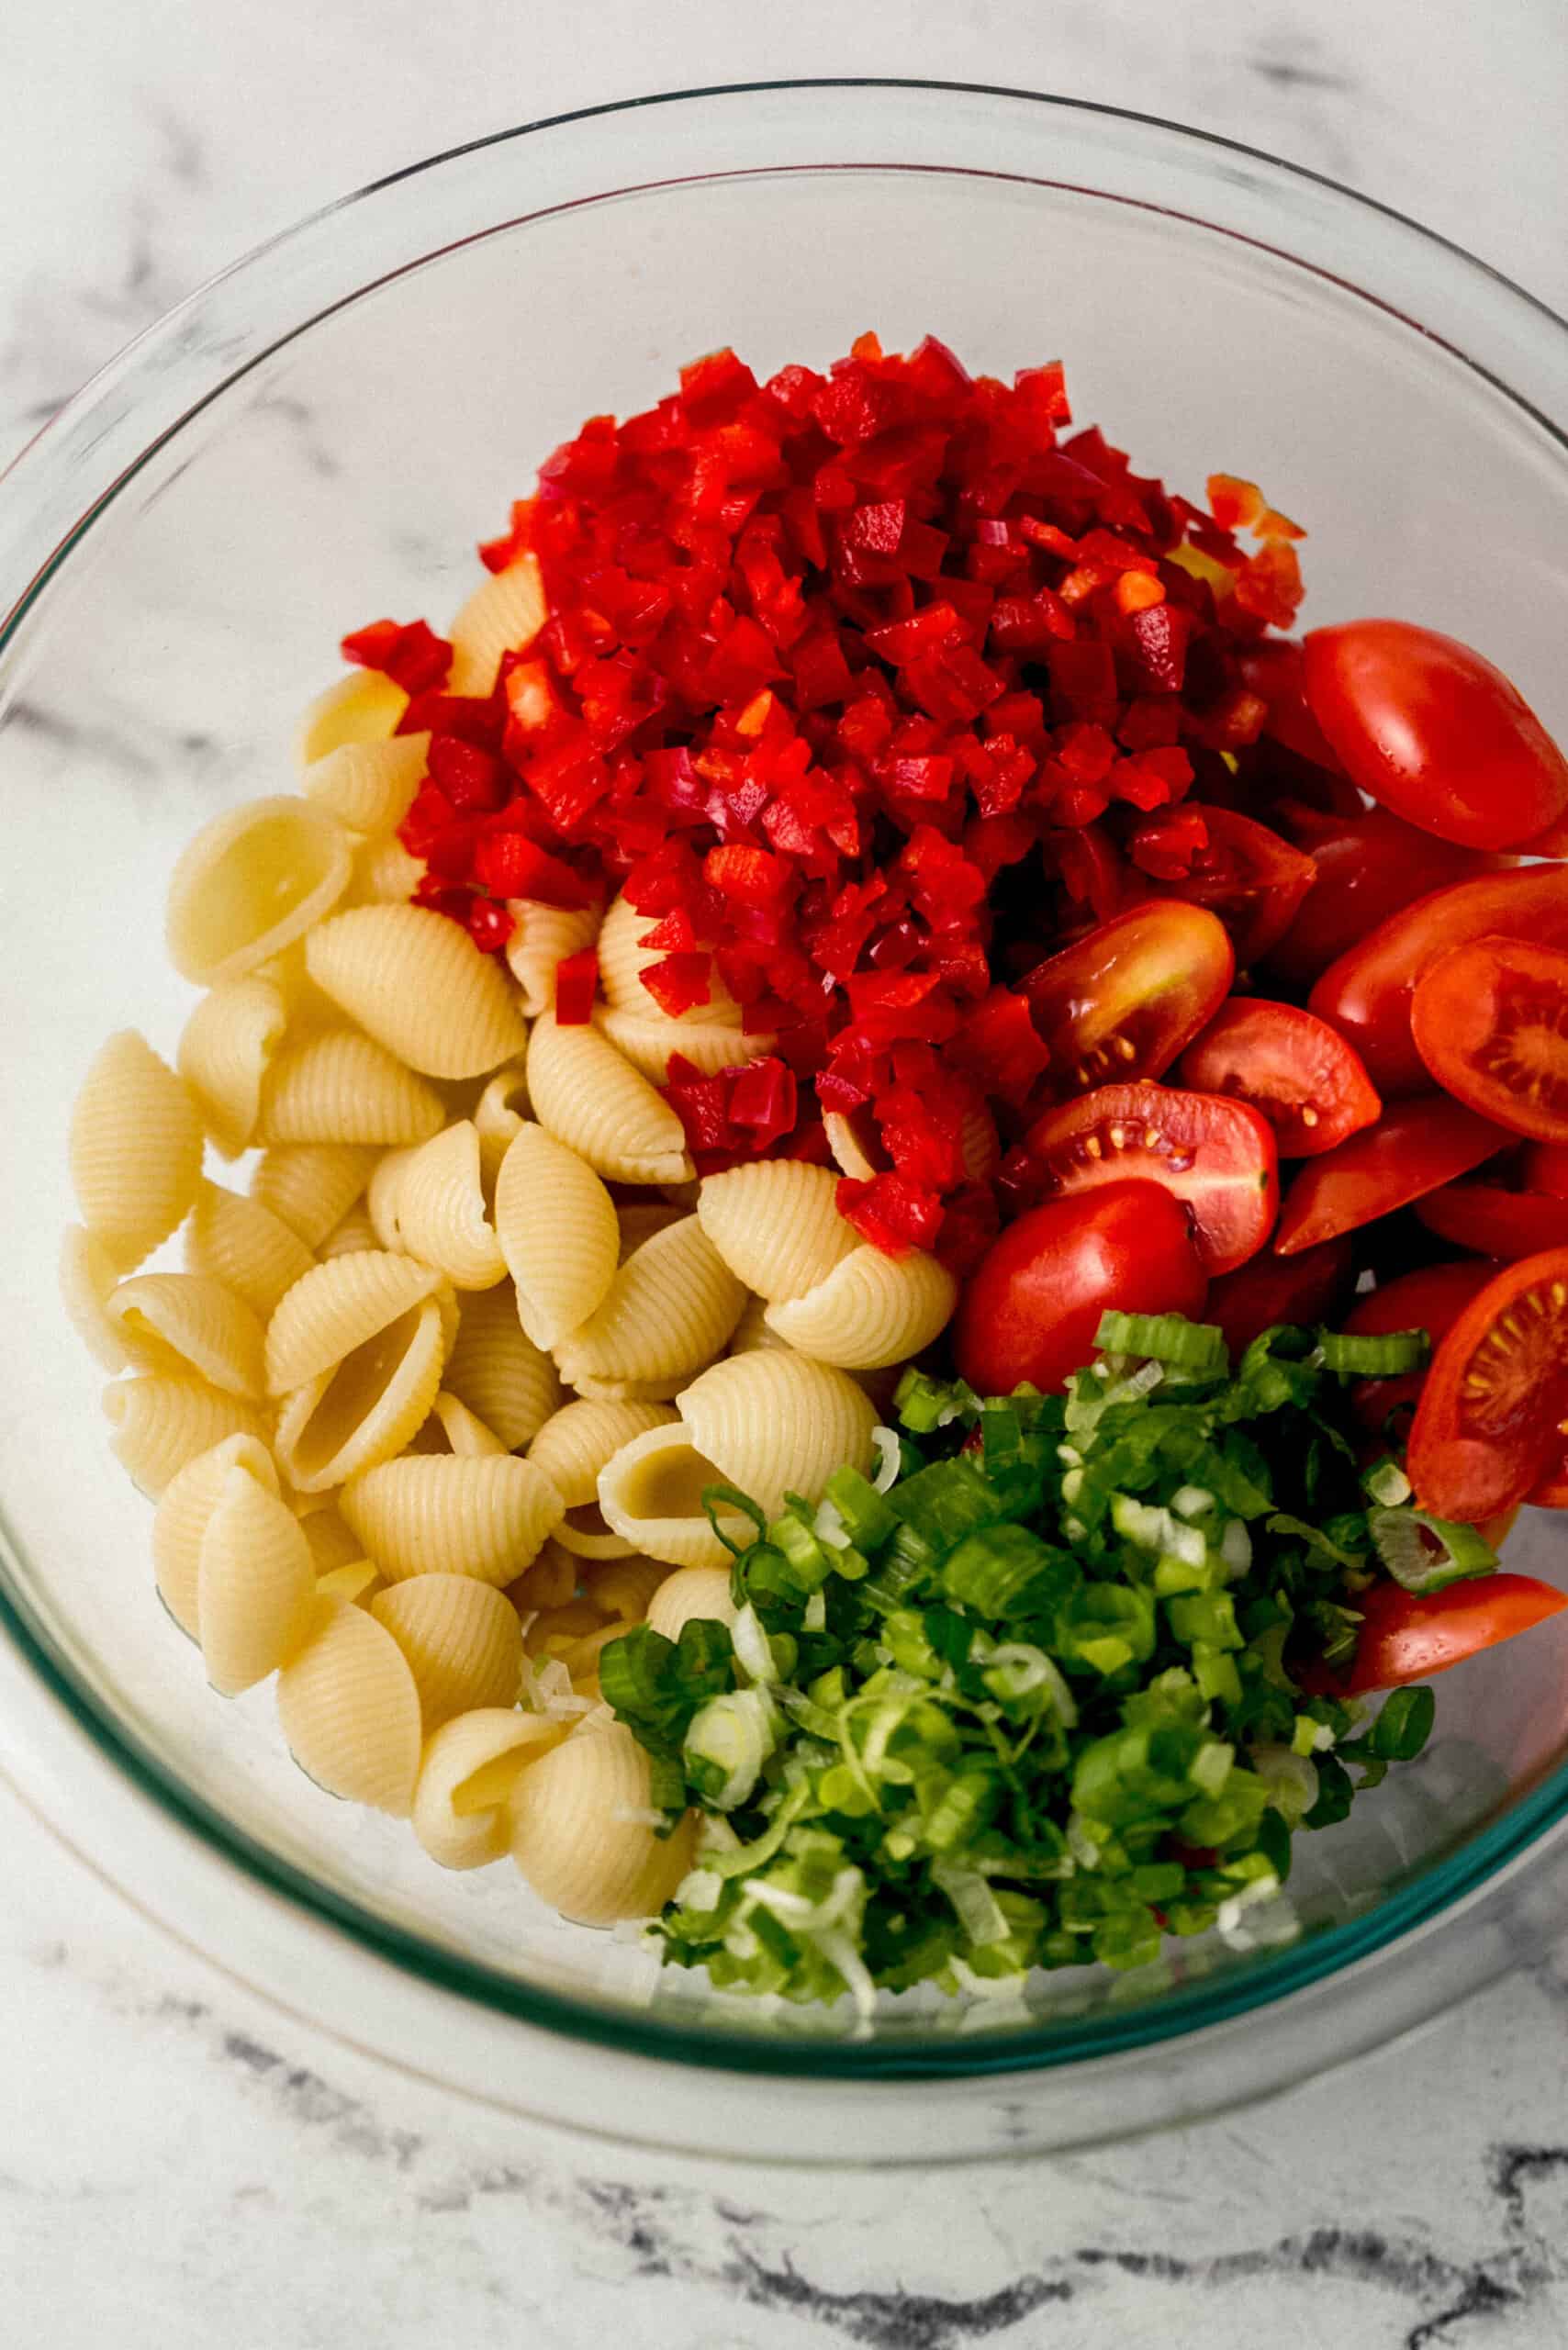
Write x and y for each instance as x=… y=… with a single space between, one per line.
x=319 y=436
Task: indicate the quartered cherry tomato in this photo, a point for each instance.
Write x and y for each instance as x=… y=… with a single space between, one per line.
x=1369 y=866
x=1270 y=1290
x=1406 y=1636
x=1292 y=1068
x=1544 y=1168
x=1032 y=1306
x=1367 y=993
x=1412 y=1149
x=1124 y=1001
x=1218 y=1157
x=1432 y=1300
x=1430 y=729
x=1494 y=1221
x=1491 y=1022
x=1489 y=1424
x=1248 y=876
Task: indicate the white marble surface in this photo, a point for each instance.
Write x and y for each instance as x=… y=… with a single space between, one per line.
x=176 y=2161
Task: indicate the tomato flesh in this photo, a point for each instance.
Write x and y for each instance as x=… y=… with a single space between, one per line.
x=1367 y=993
x=1406 y=1636
x=1292 y=1068
x=1411 y=1149
x=1429 y=728
x=1493 y=1220
x=1032 y=1305
x=1218 y=1157
x=1489 y=1424
x=1271 y=1290
x=1432 y=1300
x=1123 y=1002
x=1491 y=1022
x=1248 y=876
x=1369 y=866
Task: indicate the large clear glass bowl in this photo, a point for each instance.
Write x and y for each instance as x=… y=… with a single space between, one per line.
x=319 y=436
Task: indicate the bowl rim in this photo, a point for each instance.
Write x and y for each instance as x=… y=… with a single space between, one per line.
x=1178 y=2012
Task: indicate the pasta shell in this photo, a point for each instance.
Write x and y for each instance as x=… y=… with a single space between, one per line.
x=776 y=1226
x=622 y=1588
x=460 y=1431
x=640 y=1219
x=225 y=1048
x=330 y=1543
x=359 y=1581
x=369 y=786
x=181 y=1519
x=188 y=1322
x=336 y=1307
x=251 y=882
x=349 y=1710
x=306 y=1010
x=441 y=1515
x=556 y=1225
x=580 y=1834
x=255 y=1588
x=543 y=936
x=88 y=1276
x=550 y=1582
x=651 y=1492
x=648 y=1042
x=462 y=1640
x=469 y=1769
x=430 y=1201
x=242 y=1244
x=365 y=1409
x=312 y=1186
x=352 y=1238
x=669 y=1310
x=339 y=1087
x=384 y=874
x=417 y=984
x=161 y=1422
x=623 y=959
x=572 y=1449
x=135 y=1145
x=498 y=1371
x=872 y=1310
x=498 y=1115
x=590 y=1098
x=504 y=614
x=362 y=708
x=858 y=1149
x=751 y=1332
x=692 y=1594
x=776 y=1423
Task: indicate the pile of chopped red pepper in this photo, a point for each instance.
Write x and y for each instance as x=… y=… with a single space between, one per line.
x=871 y=689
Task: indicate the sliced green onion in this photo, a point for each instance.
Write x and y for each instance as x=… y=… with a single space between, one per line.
x=1005 y=1571
x=732 y=1736
x=1403 y=1728
x=1148 y=1528
x=890 y=1458
x=1387 y=1484
x=1191 y=1501
x=714 y=1497
x=753 y=1651
x=924 y=1403
x=975 y=1905
x=1291 y=1779
x=1164 y=1338
x=1425 y=1553
x=1235 y=1547
x=865 y=1513
x=1383 y=1356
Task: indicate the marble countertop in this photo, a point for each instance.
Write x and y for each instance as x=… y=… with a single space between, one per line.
x=176 y=2159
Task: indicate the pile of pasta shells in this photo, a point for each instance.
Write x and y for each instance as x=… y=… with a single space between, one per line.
x=427 y=1411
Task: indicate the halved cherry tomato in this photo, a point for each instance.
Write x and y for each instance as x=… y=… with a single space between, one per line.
x=1271 y=1290
x=1432 y=1300
x=1032 y=1305
x=1405 y=1637
x=1496 y=1221
x=1411 y=1149
x=1544 y=1168
x=1428 y=727
x=1251 y=879
x=1489 y=1424
x=1367 y=993
x=1123 y=1002
x=1294 y=1070
x=1218 y=1156
x=1491 y=1023
x=1369 y=866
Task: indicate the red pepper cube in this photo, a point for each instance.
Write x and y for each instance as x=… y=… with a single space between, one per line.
x=678 y=983
x=471 y=778
x=411 y=655
x=577 y=982
x=490 y=926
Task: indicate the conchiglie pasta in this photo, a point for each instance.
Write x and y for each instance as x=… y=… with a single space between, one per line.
x=384 y=874
x=580 y=1831
x=312 y=1186
x=430 y=1201
x=352 y=1236
x=224 y=1051
x=556 y=1225
x=369 y=786
x=255 y=1587
x=647 y=1041
x=188 y=1322
x=691 y=1595
x=349 y=1708
x=776 y=1423
x=872 y=1310
x=571 y=1448
x=242 y=1244
x=365 y=707
x=88 y=1276
x=251 y=882
x=500 y=1115
x=417 y=984
x=640 y=1219
x=651 y=1493
x=336 y=1307
x=136 y=1146
x=623 y=959
x=449 y=1515
x=542 y=937
x=504 y=614
x=498 y=1371
x=550 y=1582
x=669 y=1309
x=466 y=1776
x=462 y=1640
x=161 y=1422
x=590 y=1098
x=330 y=1542
x=181 y=1519
x=367 y=1407
x=462 y=1432
x=776 y=1225
x=339 y=1087
x=622 y=1588
x=751 y=1332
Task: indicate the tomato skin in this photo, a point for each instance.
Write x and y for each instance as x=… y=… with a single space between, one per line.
x=1122 y=1001
x=1032 y=1305
x=1430 y=729
x=1292 y=1068
x=1496 y=1221
x=1367 y=993
x=1432 y=1300
x=1250 y=878
x=1273 y=669
x=1269 y=1290
x=1368 y=866
x=1218 y=1156
x=1488 y=1428
x=1480 y=1017
x=1405 y=1637
x=1545 y=1168
x=1412 y=1149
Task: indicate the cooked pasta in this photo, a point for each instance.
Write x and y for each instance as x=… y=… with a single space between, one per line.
x=312 y=1186
x=581 y=1832
x=368 y=787
x=870 y=1311
x=669 y=1310
x=640 y=1219
x=543 y=936
x=469 y=1769
x=623 y=959
x=336 y=1307
x=365 y=1408
x=363 y=707
x=181 y=1519
x=160 y=1422
x=556 y=1225
x=135 y=1145
x=571 y=1448
x=430 y=1201
x=651 y=1492
x=647 y=1040
x=504 y=614
x=550 y=1582
x=242 y=1244
x=623 y=1587
x=590 y=1098
x=462 y=1640
x=330 y=1542
x=776 y=1423
x=498 y=1115
x=340 y=1087
x=255 y=1585
x=457 y=1429
x=358 y=1581
x=751 y=1332
x=858 y=1152
x=188 y=1322
x=776 y=1225
x=691 y=1596
x=88 y=1276
x=417 y=984
x=306 y=1010
x=353 y=1235
x=253 y=880
x=349 y=1707
x=435 y=1515
x=384 y=874
x=498 y=1371
x=224 y=1051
